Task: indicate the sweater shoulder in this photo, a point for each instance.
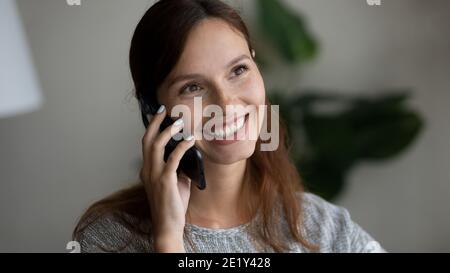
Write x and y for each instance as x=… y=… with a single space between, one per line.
x=331 y=227
x=111 y=233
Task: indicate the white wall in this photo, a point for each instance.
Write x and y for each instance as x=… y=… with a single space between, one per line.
x=85 y=142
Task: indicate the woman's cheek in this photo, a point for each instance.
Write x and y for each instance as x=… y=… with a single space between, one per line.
x=254 y=91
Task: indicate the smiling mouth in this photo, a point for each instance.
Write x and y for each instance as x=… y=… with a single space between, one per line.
x=228 y=129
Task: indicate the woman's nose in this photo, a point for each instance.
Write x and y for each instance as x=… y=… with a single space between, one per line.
x=223 y=97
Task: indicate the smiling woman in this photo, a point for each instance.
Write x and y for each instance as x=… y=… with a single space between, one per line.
x=254 y=202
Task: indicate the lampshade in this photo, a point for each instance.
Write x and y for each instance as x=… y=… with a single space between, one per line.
x=19 y=85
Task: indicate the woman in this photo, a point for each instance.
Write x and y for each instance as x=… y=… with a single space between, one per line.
x=184 y=50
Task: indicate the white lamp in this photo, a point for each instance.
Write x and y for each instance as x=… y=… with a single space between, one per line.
x=19 y=85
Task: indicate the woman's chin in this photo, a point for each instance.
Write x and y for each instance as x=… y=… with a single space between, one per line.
x=229 y=153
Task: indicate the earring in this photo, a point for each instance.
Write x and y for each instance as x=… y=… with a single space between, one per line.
x=253 y=53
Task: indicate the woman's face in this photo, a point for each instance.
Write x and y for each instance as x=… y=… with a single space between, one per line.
x=216 y=66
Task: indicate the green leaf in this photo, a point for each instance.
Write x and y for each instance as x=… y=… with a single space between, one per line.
x=384 y=127
x=287 y=31
x=367 y=128
x=321 y=177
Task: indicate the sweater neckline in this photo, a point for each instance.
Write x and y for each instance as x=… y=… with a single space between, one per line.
x=216 y=231
x=205 y=231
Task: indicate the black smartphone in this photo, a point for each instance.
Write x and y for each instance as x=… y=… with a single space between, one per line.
x=191 y=164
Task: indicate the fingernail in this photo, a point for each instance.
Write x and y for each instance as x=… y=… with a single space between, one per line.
x=189 y=138
x=178 y=122
x=161 y=109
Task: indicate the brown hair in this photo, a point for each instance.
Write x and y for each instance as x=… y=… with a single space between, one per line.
x=156 y=46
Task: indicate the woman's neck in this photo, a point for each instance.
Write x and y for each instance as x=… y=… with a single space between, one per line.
x=220 y=204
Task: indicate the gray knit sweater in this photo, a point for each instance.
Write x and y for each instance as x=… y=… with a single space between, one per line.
x=325 y=225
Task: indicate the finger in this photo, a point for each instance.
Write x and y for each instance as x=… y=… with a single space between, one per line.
x=150 y=134
x=161 y=141
x=174 y=159
x=184 y=181
x=183 y=178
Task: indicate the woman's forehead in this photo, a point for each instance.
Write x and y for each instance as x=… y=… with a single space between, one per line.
x=211 y=44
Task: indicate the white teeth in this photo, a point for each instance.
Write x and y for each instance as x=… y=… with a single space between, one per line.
x=240 y=122
x=229 y=129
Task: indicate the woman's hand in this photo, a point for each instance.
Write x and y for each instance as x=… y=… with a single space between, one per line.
x=167 y=193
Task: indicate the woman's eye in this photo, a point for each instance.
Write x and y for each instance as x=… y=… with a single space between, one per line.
x=191 y=88
x=240 y=70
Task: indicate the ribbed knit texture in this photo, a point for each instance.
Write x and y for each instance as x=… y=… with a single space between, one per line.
x=326 y=225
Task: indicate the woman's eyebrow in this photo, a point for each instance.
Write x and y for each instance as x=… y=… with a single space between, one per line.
x=236 y=60
x=183 y=78
x=196 y=76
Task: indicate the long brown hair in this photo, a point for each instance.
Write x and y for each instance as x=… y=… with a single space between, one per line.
x=156 y=46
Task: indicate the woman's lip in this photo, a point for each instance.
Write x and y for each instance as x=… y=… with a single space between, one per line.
x=231 y=122
x=235 y=135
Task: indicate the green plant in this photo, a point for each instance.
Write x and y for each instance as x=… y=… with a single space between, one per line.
x=287 y=32
x=332 y=132
x=334 y=141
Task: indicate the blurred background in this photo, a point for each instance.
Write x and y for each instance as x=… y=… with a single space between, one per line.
x=365 y=91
